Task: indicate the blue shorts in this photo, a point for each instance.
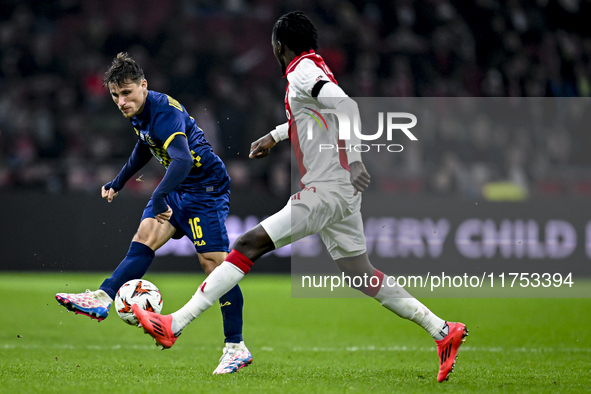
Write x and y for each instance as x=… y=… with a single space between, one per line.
x=199 y=216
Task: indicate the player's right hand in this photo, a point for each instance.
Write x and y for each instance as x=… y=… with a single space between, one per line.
x=109 y=194
x=164 y=216
x=261 y=147
x=360 y=178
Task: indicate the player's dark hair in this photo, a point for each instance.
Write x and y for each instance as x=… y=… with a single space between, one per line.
x=296 y=31
x=123 y=70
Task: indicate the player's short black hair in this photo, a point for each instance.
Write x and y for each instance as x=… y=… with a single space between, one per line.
x=123 y=70
x=296 y=31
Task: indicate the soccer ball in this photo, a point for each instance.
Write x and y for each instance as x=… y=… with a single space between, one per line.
x=137 y=291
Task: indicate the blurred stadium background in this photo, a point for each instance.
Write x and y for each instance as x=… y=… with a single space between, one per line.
x=61 y=137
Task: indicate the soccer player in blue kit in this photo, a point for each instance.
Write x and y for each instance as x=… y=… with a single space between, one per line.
x=192 y=200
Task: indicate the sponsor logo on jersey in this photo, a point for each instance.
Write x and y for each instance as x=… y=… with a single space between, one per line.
x=144 y=136
x=149 y=140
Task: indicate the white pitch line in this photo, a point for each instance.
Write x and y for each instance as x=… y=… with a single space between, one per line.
x=465 y=348
x=433 y=349
x=74 y=347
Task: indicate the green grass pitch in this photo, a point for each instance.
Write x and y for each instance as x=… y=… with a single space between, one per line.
x=299 y=345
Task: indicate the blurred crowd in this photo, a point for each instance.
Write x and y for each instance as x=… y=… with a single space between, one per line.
x=60 y=131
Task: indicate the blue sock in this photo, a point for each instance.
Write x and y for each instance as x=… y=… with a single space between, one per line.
x=231 y=304
x=134 y=266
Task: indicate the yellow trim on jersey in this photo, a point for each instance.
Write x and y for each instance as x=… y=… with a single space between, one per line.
x=173 y=103
x=169 y=140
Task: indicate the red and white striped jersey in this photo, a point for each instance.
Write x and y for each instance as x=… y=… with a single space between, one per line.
x=328 y=165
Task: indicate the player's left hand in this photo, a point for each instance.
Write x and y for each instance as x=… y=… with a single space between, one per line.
x=165 y=216
x=360 y=178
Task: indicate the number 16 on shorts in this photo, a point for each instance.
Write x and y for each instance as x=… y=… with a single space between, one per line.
x=197 y=232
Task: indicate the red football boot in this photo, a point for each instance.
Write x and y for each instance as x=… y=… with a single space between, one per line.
x=448 y=347
x=157 y=325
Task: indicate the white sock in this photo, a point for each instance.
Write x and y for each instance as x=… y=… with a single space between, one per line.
x=218 y=283
x=236 y=346
x=399 y=301
x=103 y=297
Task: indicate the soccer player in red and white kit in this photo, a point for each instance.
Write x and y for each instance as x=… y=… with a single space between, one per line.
x=328 y=204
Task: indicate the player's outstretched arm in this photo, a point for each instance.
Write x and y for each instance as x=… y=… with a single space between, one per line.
x=179 y=168
x=139 y=157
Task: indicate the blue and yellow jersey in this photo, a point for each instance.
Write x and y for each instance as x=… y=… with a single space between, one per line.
x=162 y=119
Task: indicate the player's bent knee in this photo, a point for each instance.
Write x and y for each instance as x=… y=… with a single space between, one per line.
x=254 y=243
x=148 y=241
x=153 y=234
x=356 y=266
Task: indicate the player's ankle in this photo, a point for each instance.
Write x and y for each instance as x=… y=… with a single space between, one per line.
x=176 y=326
x=236 y=345
x=103 y=297
x=442 y=333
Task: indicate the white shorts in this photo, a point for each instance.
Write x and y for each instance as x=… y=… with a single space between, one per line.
x=327 y=209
